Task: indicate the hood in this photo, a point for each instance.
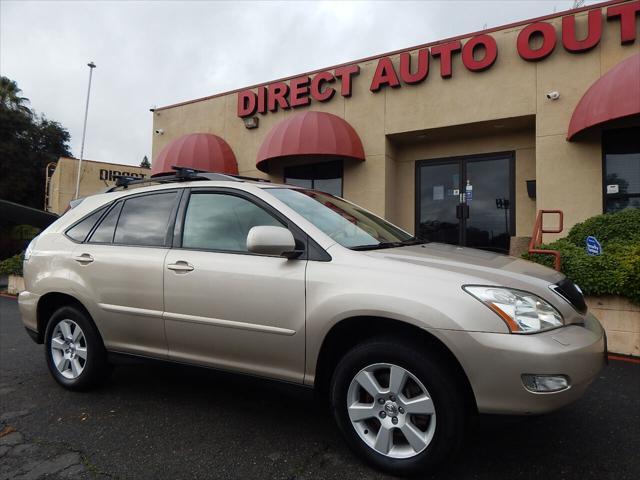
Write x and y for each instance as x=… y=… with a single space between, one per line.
x=491 y=266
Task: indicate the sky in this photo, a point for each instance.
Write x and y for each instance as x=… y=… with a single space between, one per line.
x=156 y=53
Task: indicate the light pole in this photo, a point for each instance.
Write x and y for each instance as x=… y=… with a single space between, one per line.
x=91 y=66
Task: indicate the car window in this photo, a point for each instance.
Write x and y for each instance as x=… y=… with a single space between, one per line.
x=80 y=230
x=144 y=220
x=217 y=221
x=345 y=222
x=104 y=232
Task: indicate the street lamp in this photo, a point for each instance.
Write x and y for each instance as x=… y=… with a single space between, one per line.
x=91 y=66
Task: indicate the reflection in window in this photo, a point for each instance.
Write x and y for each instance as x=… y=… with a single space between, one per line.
x=621 y=169
x=104 y=232
x=346 y=223
x=80 y=231
x=326 y=177
x=222 y=222
x=144 y=220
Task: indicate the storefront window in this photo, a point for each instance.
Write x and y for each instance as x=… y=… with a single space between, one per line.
x=621 y=169
x=326 y=177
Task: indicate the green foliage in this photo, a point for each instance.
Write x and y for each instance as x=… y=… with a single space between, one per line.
x=619 y=227
x=12 y=265
x=145 y=163
x=23 y=232
x=28 y=142
x=10 y=96
x=617 y=270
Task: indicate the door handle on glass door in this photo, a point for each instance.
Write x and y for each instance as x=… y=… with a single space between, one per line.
x=180 y=266
x=462 y=211
x=84 y=258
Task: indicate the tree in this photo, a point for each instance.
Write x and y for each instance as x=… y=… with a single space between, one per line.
x=10 y=96
x=145 y=163
x=28 y=142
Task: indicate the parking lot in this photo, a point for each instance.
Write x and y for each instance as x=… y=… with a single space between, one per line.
x=171 y=422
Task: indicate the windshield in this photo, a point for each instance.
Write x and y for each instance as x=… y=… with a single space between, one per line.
x=346 y=223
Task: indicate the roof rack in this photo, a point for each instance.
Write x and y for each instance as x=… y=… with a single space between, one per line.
x=183 y=174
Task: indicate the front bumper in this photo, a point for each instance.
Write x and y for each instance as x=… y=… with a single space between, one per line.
x=494 y=364
x=28 y=304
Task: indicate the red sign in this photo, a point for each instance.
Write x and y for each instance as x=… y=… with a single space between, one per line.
x=535 y=42
x=297 y=92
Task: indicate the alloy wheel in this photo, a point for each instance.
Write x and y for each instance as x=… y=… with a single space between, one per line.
x=391 y=410
x=68 y=349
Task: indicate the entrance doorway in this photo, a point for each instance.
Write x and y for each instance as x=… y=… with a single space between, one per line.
x=468 y=201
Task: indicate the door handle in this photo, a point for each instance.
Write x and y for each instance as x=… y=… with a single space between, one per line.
x=84 y=258
x=462 y=211
x=180 y=266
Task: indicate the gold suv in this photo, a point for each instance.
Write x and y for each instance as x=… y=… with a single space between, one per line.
x=405 y=339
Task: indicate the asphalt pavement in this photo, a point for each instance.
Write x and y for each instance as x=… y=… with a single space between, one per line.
x=172 y=422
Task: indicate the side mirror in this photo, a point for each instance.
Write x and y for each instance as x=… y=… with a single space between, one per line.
x=271 y=241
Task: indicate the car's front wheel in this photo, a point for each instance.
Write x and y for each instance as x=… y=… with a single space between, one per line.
x=398 y=406
x=75 y=354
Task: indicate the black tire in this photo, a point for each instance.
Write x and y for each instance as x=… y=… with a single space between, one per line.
x=95 y=368
x=432 y=370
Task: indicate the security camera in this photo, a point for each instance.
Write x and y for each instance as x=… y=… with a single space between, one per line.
x=159 y=131
x=553 y=95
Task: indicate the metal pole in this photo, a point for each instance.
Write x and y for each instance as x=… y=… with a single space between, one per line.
x=91 y=66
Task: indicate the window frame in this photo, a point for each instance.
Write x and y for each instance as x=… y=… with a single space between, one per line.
x=119 y=203
x=604 y=144
x=106 y=207
x=310 y=249
x=114 y=205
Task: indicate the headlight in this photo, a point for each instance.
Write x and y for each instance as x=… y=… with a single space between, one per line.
x=523 y=312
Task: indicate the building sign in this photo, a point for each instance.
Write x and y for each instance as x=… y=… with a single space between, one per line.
x=109 y=175
x=534 y=43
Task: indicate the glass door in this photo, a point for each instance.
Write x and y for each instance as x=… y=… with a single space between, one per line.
x=438 y=199
x=488 y=224
x=467 y=201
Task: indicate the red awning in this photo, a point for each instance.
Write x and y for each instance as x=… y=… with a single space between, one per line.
x=201 y=151
x=614 y=95
x=310 y=133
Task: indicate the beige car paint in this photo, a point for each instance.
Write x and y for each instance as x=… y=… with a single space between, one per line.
x=248 y=313
x=237 y=311
x=125 y=286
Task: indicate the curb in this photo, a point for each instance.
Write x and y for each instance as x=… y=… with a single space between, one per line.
x=624 y=358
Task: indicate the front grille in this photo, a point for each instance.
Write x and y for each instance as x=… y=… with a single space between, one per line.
x=570 y=292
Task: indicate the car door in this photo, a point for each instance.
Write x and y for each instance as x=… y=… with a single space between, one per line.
x=120 y=268
x=224 y=306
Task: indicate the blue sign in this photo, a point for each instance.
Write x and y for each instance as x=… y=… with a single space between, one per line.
x=593 y=246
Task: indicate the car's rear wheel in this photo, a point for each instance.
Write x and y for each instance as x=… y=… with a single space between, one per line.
x=398 y=406
x=75 y=354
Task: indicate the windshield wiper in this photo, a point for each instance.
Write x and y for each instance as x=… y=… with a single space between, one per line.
x=381 y=245
x=413 y=241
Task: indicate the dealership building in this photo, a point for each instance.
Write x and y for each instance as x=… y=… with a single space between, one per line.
x=461 y=140
x=62 y=177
